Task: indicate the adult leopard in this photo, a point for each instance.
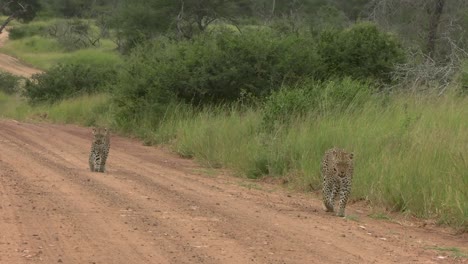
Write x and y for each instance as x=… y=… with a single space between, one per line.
x=99 y=149
x=337 y=175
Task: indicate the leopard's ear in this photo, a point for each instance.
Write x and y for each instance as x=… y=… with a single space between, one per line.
x=94 y=131
x=351 y=156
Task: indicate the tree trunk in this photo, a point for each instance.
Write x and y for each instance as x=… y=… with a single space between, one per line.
x=200 y=25
x=7 y=21
x=433 y=26
x=273 y=7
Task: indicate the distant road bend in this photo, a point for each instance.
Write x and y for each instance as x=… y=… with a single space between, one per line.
x=13 y=65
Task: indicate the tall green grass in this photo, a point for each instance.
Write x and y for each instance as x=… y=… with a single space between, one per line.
x=464 y=77
x=13 y=106
x=232 y=139
x=411 y=152
x=85 y=110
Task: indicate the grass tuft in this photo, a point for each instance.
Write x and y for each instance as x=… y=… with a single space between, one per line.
x=455 y=252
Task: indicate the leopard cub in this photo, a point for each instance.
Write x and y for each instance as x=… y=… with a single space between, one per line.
x=99 y=149
x=337 y=174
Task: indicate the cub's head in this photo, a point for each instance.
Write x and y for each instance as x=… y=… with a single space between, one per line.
x=343 y=163
x=100 y=135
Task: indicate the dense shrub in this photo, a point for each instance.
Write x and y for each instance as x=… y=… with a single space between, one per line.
x=9 y=83
x=217 y=67
x=361 y=52
x=141 y=88
x=26 y=30
x=225 y=65
x=285 y=104
x=65 y=81
x=222 y=66
x=323 y=97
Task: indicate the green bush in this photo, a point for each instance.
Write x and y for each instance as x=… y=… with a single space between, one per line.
x=66 y=81
x=313 y=96
x=225 y=66
x=285 y=104
x=219 y=67
x=140 y=93
x=26 y=30
x=9 y=83
x=361 y=52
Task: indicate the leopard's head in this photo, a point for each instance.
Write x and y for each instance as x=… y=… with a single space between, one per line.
x=343 y=163
x=100 y=135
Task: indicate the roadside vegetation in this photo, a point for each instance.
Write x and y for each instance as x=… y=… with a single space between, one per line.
x=265 y=94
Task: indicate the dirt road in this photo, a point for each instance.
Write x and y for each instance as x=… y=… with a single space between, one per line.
x=13 y=65
x=153 y=207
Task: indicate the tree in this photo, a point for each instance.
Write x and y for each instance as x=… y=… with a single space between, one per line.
x=77 y=8
x=354 y=9
x=196 y=15
x=23 y=10
x=139 y=20
x=435 y=10
x=435 y=35
x=432 y=26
